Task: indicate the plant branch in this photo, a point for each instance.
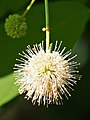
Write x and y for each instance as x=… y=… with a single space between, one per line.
x=28 y=8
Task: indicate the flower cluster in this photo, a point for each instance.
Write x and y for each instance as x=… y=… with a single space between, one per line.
x=46 y=75
x=15 y=26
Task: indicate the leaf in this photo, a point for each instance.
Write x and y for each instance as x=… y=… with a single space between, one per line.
x=7 y=89
x=68 y=24
x=67 y=21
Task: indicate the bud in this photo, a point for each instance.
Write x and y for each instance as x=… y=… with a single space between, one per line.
x=15 y=26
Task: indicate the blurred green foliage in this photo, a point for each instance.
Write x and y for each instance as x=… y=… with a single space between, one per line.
x=7 y=89
x=67 y=20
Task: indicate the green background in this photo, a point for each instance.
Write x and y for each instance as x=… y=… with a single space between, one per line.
x=69 y=22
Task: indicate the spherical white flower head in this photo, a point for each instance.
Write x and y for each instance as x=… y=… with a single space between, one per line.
x=45 y=76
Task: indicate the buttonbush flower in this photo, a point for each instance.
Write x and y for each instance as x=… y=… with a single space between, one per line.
x=46 y=75
x=15 y=26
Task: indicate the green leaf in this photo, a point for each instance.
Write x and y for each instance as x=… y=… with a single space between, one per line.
x=7 y=89
x=67 y=22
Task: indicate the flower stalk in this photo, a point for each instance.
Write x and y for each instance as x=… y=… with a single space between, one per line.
x=47 y=25
x=28 y=8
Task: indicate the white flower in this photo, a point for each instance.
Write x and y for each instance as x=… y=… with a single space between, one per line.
x=45 y=76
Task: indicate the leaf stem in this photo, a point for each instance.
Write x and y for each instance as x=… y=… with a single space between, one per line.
x=28 y=8
x=47 y=25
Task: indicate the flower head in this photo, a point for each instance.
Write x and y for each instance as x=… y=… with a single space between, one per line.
x=15 y=26
x=45 y=76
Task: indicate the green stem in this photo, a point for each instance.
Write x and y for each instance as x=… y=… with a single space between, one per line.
x=46 y=13
x=28 y=8
x=47 y=24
